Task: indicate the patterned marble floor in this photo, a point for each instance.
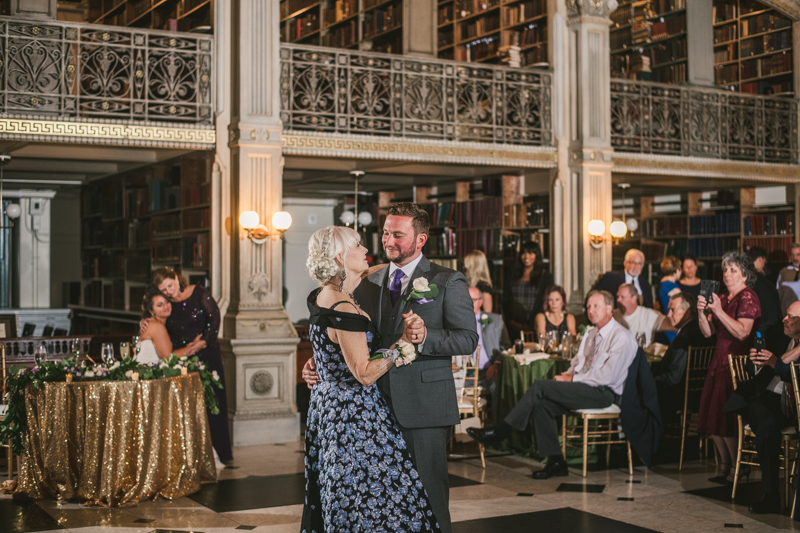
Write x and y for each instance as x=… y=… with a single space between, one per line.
x=263 y=492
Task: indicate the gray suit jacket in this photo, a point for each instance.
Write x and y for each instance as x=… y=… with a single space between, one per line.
x=495 y=336
x=423 y=394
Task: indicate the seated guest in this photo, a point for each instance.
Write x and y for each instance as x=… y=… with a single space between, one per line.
x=689 y=281
x=524 y=295
x=634 y=262
x=767 y=409
x=639 y=320
x=595 y=380
x=791 y=272
x=671 y=269
x=555 y=316
x=670 y=375
x=476 y=270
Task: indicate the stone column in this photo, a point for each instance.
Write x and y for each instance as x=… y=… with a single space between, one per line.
x=419 y=28
x=700 y=42
x=260 y=341
x=587 y=191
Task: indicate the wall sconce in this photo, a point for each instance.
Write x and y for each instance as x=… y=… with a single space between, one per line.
x=618 y=229
x=596 y=230
x=258 y=233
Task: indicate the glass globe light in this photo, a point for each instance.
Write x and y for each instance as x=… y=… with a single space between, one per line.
x=13 y=211
x=618 y=229
x=596 y=228
x=281 y=220
x=347 y=217
x=365 y=218
x=248 y=220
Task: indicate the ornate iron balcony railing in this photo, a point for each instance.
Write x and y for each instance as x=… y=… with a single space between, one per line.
x=70 y=70
x=653 y=118
x=353 y=92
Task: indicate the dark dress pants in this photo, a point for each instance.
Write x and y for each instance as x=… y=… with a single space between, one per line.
x=766 y=420
x=547 y=400
x=428 y=447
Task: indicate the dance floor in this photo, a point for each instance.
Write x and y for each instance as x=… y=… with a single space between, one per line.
x=263 y=492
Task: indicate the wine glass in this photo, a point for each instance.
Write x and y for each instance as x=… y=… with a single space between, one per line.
x=566 y=344
x=552 y=341
x=135 y=345
x=40 y=354
x=124 y=350
x=75 y=348
x=107 y=353
x=543 y=342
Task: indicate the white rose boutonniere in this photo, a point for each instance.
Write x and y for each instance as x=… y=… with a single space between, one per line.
x=421 y=285
x=422 y=292
x=486 y=319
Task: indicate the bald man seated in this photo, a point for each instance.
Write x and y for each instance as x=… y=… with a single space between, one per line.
x=634 y=263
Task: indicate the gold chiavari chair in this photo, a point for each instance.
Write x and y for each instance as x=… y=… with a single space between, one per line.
x=698 y=362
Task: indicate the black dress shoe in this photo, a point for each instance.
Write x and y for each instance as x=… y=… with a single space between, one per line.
x=554 y=468
x=485 y=435
x=767 y=504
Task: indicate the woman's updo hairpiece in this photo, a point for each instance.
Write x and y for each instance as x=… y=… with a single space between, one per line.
x=323 y=248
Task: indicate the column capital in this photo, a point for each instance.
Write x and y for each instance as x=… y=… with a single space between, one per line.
x=596 y=11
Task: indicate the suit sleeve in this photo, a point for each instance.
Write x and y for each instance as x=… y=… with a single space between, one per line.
x=459 y=335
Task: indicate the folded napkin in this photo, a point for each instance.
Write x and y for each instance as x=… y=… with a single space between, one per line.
x=528 y=358
x=657 y=349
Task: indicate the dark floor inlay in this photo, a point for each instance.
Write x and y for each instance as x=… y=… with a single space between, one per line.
x=143 y=521
x=232 y=467
x=746 y=493
x=458 y=481
x=624 y=499
x=740 y=526
x=525 y=494
x=22 y=516
x=633 y=481
x=252 y=492
x=565 y=519
x=580 y=487
x=299 y=451
x=248 y=528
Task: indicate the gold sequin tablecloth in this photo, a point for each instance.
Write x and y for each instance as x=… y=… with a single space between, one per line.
x=116 y=442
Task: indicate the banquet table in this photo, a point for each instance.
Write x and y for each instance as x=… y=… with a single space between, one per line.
x=116 y=443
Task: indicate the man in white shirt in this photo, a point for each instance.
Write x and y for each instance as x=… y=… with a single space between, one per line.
x=638 y=319
x=595 y=380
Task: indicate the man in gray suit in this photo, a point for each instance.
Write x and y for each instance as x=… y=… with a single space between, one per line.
x=421 y=395
x=492 y=339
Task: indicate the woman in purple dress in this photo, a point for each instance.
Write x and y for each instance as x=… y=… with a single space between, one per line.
x=196 y=317
x=734 y=317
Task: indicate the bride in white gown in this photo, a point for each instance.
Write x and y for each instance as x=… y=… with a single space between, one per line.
x=154 y=343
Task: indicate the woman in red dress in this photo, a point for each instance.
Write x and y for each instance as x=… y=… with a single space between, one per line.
x=734 y=317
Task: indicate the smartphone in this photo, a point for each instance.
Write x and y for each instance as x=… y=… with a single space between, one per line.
x=758 y=343
x=708 y=287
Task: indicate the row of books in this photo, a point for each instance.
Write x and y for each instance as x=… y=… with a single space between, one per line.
x=381 y=20
x=138 y=267
x=104 y=265
x=338 y=10
x=465 y=8
x=768 y=87
x=167 y=226
x=620 y=40
x=526 y=36
x=713 y=246
x=724 y=34
x=523 y=11
x=445 y=37
x=195 y=252
x=727 y=74
x=342 y=36
x=528 y=215
x=489 y=242
x=779 y=224
x=763 y=23
x=537 y=54
x=163 y=195
x=139 y=234
x=301 y=26
x=778 y=249
x=726 y=53
x=720 y=12
x=662 y=7
x=621 y=16
x=663 y=227
x=478 y=27
x=136 y=203
x=715 y=224
x=197 y=195
x=668 y=52
x=668 y=27
x=767 y=66
x=478 y=50
x=440 y=243
x=197 y=219
x=445 y=14
x=292 y=6
x=167 y=252
x=484 y=213
x=772 y=42
x=671 y=74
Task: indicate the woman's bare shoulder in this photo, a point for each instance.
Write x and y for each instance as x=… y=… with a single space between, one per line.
x=154 y=328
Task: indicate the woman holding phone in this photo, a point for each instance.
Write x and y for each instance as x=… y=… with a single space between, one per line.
x=734 y=318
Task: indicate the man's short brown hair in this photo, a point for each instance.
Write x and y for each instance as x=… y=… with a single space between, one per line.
x=419 y=217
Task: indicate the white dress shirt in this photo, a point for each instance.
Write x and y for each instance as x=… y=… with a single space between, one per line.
x=614 y=350
x=408 y=271
x=635 y=281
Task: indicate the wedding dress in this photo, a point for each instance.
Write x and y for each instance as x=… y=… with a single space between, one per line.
x=147 y=352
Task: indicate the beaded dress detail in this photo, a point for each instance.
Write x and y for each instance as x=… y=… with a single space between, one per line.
x=359 y=474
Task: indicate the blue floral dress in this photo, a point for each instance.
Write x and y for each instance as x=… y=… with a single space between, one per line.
x=359 y=474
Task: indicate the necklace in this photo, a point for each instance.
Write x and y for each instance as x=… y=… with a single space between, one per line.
x=348 y=293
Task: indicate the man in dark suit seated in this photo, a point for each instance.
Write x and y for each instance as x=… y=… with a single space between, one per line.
x=595 y=380
x=769 y=407
x=634 y=263
x=670 y=374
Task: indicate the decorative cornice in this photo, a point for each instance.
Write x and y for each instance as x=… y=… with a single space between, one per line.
x=422 y=150
x=790 y=8
x=107 y=132
x=704 y=168
x=591 y=8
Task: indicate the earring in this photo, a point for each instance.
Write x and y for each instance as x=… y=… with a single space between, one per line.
x=342 y=277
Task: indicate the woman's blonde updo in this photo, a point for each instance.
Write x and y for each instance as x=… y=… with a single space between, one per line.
x=323 y=248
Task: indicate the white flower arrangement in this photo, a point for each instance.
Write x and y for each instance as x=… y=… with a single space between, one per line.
x=421 y=285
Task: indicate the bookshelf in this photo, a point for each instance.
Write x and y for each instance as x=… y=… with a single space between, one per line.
x=481 y=31
x=752 y=48
x=135 y=222
x=710 y=224
x=375 y=25
x=172 y=15
x=648 y=41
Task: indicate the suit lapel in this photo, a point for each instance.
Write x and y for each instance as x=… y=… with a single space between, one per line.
x=423 y=267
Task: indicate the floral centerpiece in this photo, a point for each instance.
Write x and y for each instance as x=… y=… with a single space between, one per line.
x=13 y=426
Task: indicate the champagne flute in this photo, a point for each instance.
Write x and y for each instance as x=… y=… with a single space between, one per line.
x=135 y=345
x=75 y=348
x=40 y=354
x=124 y=350
x=107 y=353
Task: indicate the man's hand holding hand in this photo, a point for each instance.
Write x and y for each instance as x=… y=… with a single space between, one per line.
x=413 y=328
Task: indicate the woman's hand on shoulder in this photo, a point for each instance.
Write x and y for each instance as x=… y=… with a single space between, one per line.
x=143 y=324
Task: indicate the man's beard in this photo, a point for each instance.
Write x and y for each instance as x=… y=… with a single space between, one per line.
x=402 y=256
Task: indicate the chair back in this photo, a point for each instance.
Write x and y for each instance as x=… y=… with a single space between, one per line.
x=529 y=336
x=698 y=361
x=796 y=398
x=470 y=391
x=739 y=373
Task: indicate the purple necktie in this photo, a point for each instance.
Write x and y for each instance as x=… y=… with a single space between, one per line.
x=396 y=287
